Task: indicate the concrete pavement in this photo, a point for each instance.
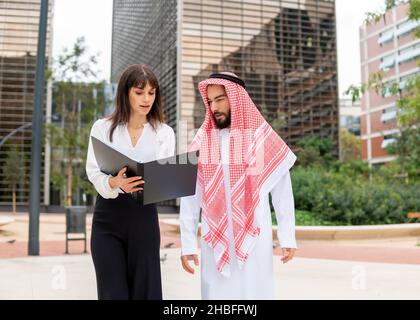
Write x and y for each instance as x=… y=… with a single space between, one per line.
x=72 y=277
x=14 y=237
x=322 y=269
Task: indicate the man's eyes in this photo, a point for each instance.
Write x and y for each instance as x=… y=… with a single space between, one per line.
x=217 y=100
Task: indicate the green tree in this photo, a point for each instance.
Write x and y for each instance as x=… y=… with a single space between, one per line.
x=389 y=4
x=407 y=148
x=12 y=171
x=414 y=14
x=350 y=146
x=407 y=94
x=276 y=120
x=315 y=151
x=378 y=15
x=78 y=104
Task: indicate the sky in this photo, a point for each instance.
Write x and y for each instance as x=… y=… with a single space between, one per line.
x=92 y=19
x=350 y=16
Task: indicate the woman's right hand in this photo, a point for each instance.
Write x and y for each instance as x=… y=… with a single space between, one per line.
x=129 y=185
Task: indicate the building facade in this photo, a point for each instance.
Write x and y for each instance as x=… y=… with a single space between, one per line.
x=390 y=46
x=19 y=20
x=350 y=116
x=284 y=50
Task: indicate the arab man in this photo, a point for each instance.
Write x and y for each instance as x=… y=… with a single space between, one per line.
x=242 y=160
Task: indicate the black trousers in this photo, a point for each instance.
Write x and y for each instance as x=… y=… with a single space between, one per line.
x=125 y=246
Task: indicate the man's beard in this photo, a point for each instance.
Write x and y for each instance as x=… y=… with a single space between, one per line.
x=222 y=123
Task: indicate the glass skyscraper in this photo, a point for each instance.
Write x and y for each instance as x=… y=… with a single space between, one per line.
x=285 y=50
x=19 y=20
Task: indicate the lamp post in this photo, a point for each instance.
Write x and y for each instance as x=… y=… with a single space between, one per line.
x=34 y=200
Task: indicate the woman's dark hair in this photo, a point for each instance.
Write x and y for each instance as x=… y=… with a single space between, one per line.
x=137 y=75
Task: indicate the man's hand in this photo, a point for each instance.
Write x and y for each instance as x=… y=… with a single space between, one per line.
x=186 y=264
x=288 y=254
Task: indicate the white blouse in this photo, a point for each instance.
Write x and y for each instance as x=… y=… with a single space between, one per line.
x=152 y=145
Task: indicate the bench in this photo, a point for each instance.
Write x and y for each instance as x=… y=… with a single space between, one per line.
x=413 y=215
x=5 y=220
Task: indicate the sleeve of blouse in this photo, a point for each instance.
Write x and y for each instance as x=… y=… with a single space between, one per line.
x=170 y=142
x=99 y=179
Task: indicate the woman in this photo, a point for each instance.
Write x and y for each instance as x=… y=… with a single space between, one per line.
x=125 y=238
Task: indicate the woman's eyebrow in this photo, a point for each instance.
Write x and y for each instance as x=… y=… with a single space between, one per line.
x=140 y=88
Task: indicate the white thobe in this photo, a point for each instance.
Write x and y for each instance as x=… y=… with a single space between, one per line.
x=255 y=279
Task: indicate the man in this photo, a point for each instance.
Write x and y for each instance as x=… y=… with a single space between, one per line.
x=241 y=161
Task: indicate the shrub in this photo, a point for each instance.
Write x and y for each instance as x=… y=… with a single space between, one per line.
x=345 y=196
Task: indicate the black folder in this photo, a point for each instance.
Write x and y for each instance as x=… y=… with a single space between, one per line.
x=165 y=179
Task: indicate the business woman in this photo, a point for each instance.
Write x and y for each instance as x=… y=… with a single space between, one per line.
x=125 y=237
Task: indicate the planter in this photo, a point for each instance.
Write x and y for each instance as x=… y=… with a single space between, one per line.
x=343 y=232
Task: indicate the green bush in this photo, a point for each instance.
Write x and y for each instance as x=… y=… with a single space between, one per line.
x=304 y=218
x=345 y=196
x=306 y=183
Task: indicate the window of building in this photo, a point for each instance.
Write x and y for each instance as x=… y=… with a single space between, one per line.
x=389 y=115
x=387 y=62
x=406 y=80
x=406 y=27
x=386 y=37
x=388 y=140
x=409 y=54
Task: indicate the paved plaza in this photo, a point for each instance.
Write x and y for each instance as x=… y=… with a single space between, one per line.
x=363 y=269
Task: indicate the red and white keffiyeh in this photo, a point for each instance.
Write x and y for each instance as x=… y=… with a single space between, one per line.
x=255 y=152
